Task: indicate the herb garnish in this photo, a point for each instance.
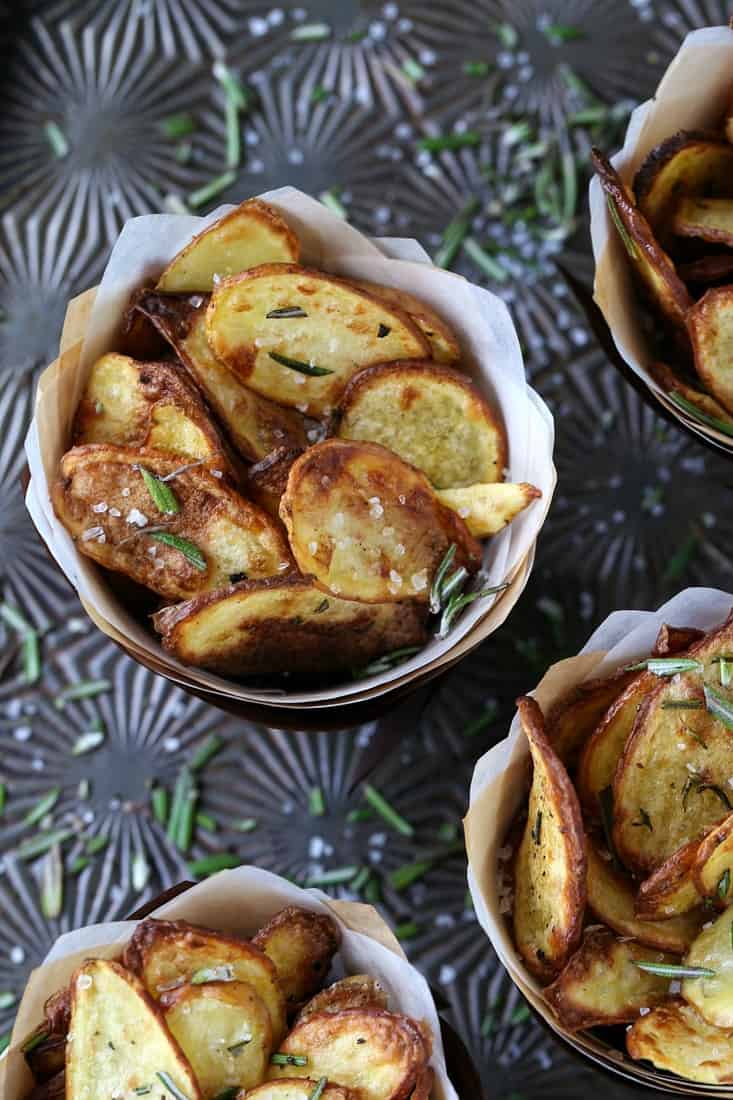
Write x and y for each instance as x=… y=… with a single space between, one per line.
x=299 y=366
x=332 y=202
x=484 y=261
x=408 y=873
x=87 y=742
x=720 y=707
x=323 y=606
x=671 y=970
x=316 y=803
x=84 y=689
x=457 y=603
x=212 y=189
x=407 y=931
x=477 y=68
x=189 y=549
x=644 y=821
x=178 y=126
x=384 y=330
x=682 y=704
x=173 y=1089
x=336 y=877
x=697 y=784
x=34 y=1041
x=222 y=973
x=205 y=821
x=436 y=589
x=310 y=32
x=387 y=661
x=42 y=807
x=37 y=845
x=695 y=736
x=162 y=495
x=454 y=234
x=413 y=70
x=725 y=664
x=237 y=1048
x=537 y=827
x=667 y=666
x=209 y=865
x=246 y=825
x=723 y=884
x=388 y=813
x=211 y=746
x=52 y=884
x=286 y=311
x=699 y=415
x=289 y=1059
x=622 y=231
x=317 y=1092
x=180 y=822
x=557 y=33
x=459 y=139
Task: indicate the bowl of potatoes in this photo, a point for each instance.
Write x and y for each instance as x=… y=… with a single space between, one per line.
x=286 y=466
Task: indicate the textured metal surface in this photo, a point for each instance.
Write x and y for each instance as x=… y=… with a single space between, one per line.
x=640 y=512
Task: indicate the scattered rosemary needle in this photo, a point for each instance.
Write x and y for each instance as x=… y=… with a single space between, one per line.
x=455 y=233
x=318 y=1089
x=162 y=495
x=335 y=877
x=97 y=843
x=484 y=261
x=279 y=1059
x=207 y=822
x=666 y=666
x=477 y=68
x=159 y=803
x=719 y=706
x=696 y=414
x=413 y=70
x=166 y=1080
x=140 y=872
x=40 y=844
x=298 y=365
x=3 y=797
x=210 y=190
x=7 y=1000
x=246 y=825
x=42 y=807
x=209 y=865
x=13 y=618
x=507 y=35
x=330 y=199
x=210 y=747
x=672 y=970
x=239 y=95
x=316 y=803
x=56 y=138
x=52 y=883
x=84 y=689
x=87 y=742
x=31 y=657
x=407 y=931
x=443 y=143
x=310 y=32
x=379 y=803
x=189 y=549
x=178 y=126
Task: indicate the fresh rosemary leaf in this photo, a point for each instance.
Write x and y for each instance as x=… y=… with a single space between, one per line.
x=413 y=70
x=519 y=1015
x=204 y=753
x=235 y=92
x=557 y=33
x=286 y=311
x=682 y=704
x=672 y=970
x=166 y=1080
x=723 y=884
x=209 y=865
x=52 y=884
x=237 y=1048
x=387 y=661
x=13 y=618
x=719 y=706
x=56 y=138
x=360 y=880
x=697 y=414
x=159 y=802
x=3 y=797
x=234 y=140
x=454 y=234
x=97 y=843
x=484 y=261
x=246 y=825
x=7 y=1000
x=162 y=495
x=317 y=1092
x=178 y=126
x=459 y=139
x=4 y=1042
x=316 y=804
x=477 y=68
x=697 y=784
x=404 y=876
x=84 y=689
x=79 y=864
x=139 y=872
x=299 y=366
x=537 y=828
x=31 y=657
x=373 y=891
x=448 y=831
x=222 y=973
x=189 y=549
x=667 y=666
x=310 y=32
x=694 y=735
x=436 y=589
x=335 y=877
x=407 y=931
x=457 y=603
x=330 y=199
x=507 y=34
x=87 y=742
x=37 y=845
x=725 y=667
x=319 y=94
x=34 y=1040
x=288 y=1059
x=42 y=807
x=212 y=189
x=623 y=233
x=205 y=821
x=388 y=813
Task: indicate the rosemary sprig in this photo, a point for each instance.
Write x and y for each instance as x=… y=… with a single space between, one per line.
x=210 y=190
x=279 y=1059
x=717 y=705
x=209 y=865
x=682 y=704
x=299 y=366
x=387 y=812
x=457 y=603
x=206 y=751
x=42 y=807
x=436 y=589
x=667 y=666
x=316 y=803
x=697 y=414
x=189 y=549
x=672 y=970
x=317 y=1092
x=84 y=689
x=56 y=138
x=161 y=494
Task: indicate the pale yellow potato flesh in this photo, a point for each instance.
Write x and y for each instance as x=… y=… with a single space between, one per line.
x=356 y=991
x=675 y=1038
x=713 y=950
x=715 y=858
x=487 y=509
x=710 y=324
x=443 y=341
x=709 y=219
x=301 y=944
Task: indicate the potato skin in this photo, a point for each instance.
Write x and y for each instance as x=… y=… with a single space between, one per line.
x=674 y=1037
x=266 y=481
x=570 y=723
x=355 y=991
x=443 y=341
x=710 y=324
x=301 y=944
x=687 y=163
x=714 y=856
x=671 y=889
x=294 y=1088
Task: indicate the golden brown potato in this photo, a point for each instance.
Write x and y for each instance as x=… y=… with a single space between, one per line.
x=682 y=793
x=707 y=270
x=672 y=384
x=52 y=1089
x=194 y=539
x=268 y=628
x=650 y=262
x=673 y=1037
x=165 y=954
x=487 y=509
x=443 y=341
x=290 y=1088
x=572 y=720
x=118 y=1042
x=602 y=751
x=671 y=890
x=368 y=526
x=225 y=1031
x=601 y=985
x=254 y=424
x=297 y=336
x=431 y=416
x=712 y=994
x=549 y=871
x=301 y=944
x=147 y=405
x=424 y=1085
x=267 y=480
x=356 y=991
x=688 y=163
x=377 y=1054
x=254 y=233
x=611 y=897
x=708 y=219
x=47 y=1058
x=712 y=869
x=710 y=323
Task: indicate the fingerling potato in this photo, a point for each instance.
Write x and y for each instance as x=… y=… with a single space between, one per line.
x=356 y=991
x=301 y=944
x=671 y=889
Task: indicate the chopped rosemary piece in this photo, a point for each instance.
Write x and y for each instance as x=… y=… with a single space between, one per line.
x=682 y=704
x=361 y=880
x=519 y=1015
x=97 y=843
x=162 y=495
x=694 y=735
x=699 y=786
x=34 y=1041
x=537 y=827
x=143 y=1090
x=725 y=669
x=413 y=70
x=56 y=138
x=644 y=820
x=237 y=1048
x=720 y=707
x=189 y=549
x=211 y=746
x=14 y=619
x=84 y=689
x=139 y=872
x=323 y=606
x=37 y=845
x=319 y=94
x=205 y=821
x=477 y=68
x=354 y=816
x=209 y=865
x=698 y=414
x=484 y=261
x=379 y=803
x=178 y=126
x=672 y=970
x=159 y=802
x=3 y=796
x=407 y=931
x=667 y=666
x=622 y=231
x=212 y=189
x=180 y=822
x=222 y=973
x=79 y=864
x=286 y=311
x=404 y=876
x=316 y=804
x=4 y=1042
x=457 y=603
x=299 y=365
x=52 y=884
x=336 y=877
x=310 y=32
x=246 y=825
x=7 y=1000
x=387 y=661
x=42 y=807
x=507 y=34
x=318 y=1090
x=31 y=657
x=723 y=884
x=557 y=33
x=289 y=1059
x=331 y=199
x=235 y=92
x=87 y=742
x=383 y=330
x=455 y=233
x=169 y=1083
x=459 y=139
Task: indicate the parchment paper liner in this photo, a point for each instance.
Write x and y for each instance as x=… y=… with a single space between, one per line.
x=491 y=353
x=235 y=901
x=692 y=95
x=498 y=787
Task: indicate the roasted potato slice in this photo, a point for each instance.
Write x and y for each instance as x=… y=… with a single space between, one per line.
x=549 y=871
x=708 y=219
x=119 y=1043
x=147 y=405
x=424 y=1085
x=712 y=869
x=293 y=1088
x=190 y=542
x=650 y=262
x=487 y=509
x=53 y=1089
x=47 y=1057
x=356 y=991
x=443 y=341
x=377 y=1054
x=601 y=984
x=368 y=526
x=572 y=720
x=671 y=889
x=611 y=897
x=255 y=425
x=431 y=416
x=688 y=163
x=297 y=336
x=712 y=996
x=707 y=270
x=252 y=234
x=166 y=954
x=266 y=481
x=671 y=383
x=677 y=761
x=286 y=625
x=710 y=323
x=301 y=944
x=675 y=1038
x=225 y=1031
x=603 y=750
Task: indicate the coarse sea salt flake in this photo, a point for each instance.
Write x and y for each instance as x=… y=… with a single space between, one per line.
x=399 y=550
x=463 y=512
x=91 y=533
x=136 y=518
x=115 y=512
x=419 y=581
x=312 y=547
x=101 y=507
x=395 y=577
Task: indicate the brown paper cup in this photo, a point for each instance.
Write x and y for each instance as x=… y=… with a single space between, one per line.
x=491 y=355
x=692 y=95
x=498 y=788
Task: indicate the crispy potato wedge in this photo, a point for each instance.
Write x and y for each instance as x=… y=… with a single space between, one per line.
x=293 y=1088
x=601 y=753
x=671 y=889
x=377 y=1054
x=119 y=1042
x=424 y=1085
x=253 y=234
x=601 y=985
x=487 y=509
x=710 y=323
x=267 y=628
x=267 y=480
x=708 y=219
x=688 y=163
x=165 y=954
x=707 y=270
x=301 y=944
x=255 y=425
x=443 y=341
x=147 y=405
x=52 y=1089
x=549 y=871
x=676 y=763
x=337 y=330
x=572 y=720
x=674 y=1038
x=431 y=416
x=713 y=996
x=650 y=262
x=367 y=526
x=355 y=991
x=611 y=897
x=103 y=501
x=675 y=639
x=714 y=856
x=225 y=1031
x=671 y=383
